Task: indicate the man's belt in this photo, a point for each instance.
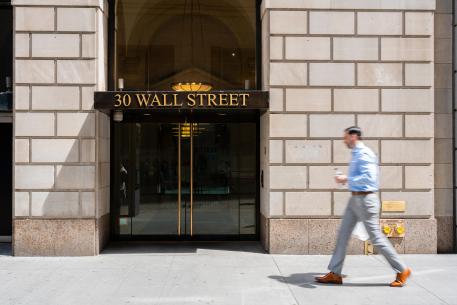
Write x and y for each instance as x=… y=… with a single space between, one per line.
x=361 y=193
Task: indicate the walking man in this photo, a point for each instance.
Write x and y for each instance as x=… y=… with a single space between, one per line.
x=363 y=206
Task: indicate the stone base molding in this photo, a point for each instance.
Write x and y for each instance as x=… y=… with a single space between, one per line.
x=318 y=236
x=55 y=237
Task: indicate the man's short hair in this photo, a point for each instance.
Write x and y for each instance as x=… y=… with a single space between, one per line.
x=354 y=130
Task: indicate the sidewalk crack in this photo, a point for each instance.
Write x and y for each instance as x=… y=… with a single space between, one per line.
x=284 y=281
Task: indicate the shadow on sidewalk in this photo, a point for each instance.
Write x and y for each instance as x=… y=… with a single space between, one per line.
x=306 y=280
x=180 y=247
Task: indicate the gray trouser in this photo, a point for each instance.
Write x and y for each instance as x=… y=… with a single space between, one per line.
x=363 y=208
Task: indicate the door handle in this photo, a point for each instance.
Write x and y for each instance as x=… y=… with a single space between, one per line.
x=261 y=178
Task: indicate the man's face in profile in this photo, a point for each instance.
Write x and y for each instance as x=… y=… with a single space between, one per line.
x=350 y=139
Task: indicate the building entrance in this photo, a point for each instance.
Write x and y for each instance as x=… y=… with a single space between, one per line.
x=186 y=152
x=186 y=177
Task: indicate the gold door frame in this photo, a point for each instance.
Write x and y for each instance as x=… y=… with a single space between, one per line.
x=191 y=189
x=179 y=179
x=191 y=193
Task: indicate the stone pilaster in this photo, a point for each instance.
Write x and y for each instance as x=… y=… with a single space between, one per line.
x=61 y=166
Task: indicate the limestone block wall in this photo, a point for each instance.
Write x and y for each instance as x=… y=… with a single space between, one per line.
x=443 y=126
x=329 y=65
x=61 y=159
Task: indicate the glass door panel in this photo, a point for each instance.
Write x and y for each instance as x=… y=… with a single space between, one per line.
x=247 y=152
x=215 y=200
x=224 y=173
x=156 y=193
x=123 y=169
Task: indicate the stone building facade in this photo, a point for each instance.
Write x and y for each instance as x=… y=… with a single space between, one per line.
x=385 y=66
x=340 y=63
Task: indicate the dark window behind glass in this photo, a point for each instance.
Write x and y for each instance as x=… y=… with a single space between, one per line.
x=6 y=55
x=159 y=42
x=6 y=129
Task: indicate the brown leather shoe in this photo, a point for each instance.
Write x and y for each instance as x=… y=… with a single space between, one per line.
x=330 y=278
x=400 y=281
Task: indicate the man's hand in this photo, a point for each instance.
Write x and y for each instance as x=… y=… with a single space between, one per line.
x=341 y=179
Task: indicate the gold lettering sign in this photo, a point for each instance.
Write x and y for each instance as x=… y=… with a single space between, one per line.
x=219 y=100
x=393 y=206
x=172 y=100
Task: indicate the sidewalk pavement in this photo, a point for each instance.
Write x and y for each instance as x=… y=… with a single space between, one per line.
x=217 y=273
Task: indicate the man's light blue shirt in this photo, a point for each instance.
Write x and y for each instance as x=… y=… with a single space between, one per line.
x=363 y=170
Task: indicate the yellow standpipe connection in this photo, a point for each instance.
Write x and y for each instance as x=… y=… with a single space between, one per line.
x=386 y=229
x=400 y=229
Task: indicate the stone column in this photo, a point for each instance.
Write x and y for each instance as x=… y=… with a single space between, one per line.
x=329 y=65
x=61 y=159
